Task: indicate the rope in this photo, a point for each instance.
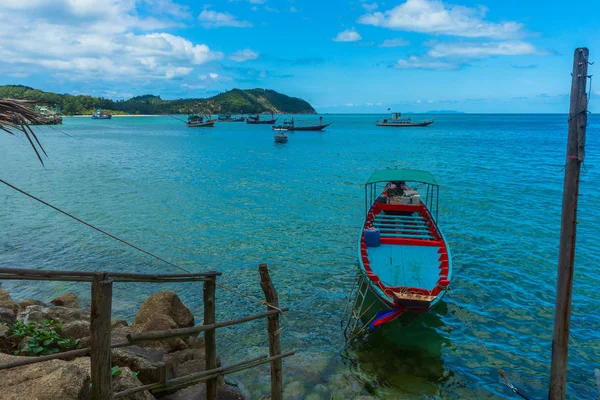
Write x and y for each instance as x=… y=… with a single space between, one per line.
x=263 y=302
x=500 y=370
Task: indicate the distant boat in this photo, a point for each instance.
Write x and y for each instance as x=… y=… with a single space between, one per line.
x=398 y=121
x=255 y=119
x=281 y=138
x=99 y=115
x=404 y=260
x=229 y=118
x=200 y=121
x=290 y=125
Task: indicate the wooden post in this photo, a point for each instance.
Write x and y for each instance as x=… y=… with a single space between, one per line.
x=564 y=285
x=210 y=343
x=100 y=338
x=273 y=327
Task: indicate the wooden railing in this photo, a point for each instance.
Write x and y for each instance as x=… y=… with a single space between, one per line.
x=100 y=327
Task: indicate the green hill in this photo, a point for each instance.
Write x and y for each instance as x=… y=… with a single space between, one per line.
x=233 y=101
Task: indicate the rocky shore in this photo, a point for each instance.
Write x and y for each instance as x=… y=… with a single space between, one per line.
x=132 y=366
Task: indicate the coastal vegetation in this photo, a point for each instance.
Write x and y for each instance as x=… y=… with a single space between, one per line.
x=233 y=101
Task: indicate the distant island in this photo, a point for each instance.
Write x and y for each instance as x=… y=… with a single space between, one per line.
x=236 y=101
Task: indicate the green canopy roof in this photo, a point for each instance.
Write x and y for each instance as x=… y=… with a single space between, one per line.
x=409 y=175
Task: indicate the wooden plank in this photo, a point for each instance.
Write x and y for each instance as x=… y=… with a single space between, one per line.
x=210 y=342
x=273 y=327
x=568 y=229
x=34 y=360
x=100 y=338
x=156 y=335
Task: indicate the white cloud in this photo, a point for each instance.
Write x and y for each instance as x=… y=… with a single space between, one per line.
x=436 y=17
x=293 y=9
x=244 y=55
x=66 y=39
x=394 y=43
x=369 y=7
x=349 y=105
x=430 y=101
x=215 y=19
x=415 y=62
x=349 y=35
x=479 y=50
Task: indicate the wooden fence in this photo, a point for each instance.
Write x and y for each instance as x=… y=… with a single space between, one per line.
x=100 y=327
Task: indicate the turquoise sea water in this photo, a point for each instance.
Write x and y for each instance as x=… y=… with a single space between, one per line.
x=228 y=198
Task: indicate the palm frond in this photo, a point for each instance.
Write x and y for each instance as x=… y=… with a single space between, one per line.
x=16 y=116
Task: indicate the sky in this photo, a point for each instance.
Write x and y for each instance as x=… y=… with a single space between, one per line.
x=343 y=56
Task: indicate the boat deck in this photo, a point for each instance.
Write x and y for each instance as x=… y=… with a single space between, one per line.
x=408 y=266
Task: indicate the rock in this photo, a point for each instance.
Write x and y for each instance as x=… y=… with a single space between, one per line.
x=6 y=343
x=61 y=314
x=7 y=302
x=7 y=316
x=69 y=300
x=125 y=380
x=27 y=303
x=119 y=323
x=185 y=362
x=199 y=392
x=160 y=322
x=48 y=380
x=295 y=390
x=146 y=362
x=75 y=330
x=165 y=303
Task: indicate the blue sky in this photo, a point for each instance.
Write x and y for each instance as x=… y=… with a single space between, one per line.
x=340 y=55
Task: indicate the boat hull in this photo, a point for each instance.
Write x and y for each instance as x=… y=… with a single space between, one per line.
x=411 y=268
x=102 y=117
x=261 y=122
x=411 y=125
x=303 y=128
x=207 y=124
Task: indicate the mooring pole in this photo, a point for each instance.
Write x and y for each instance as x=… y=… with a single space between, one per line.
x=564 y=283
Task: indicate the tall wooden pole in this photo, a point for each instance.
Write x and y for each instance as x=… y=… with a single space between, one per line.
x=273 y=327
x=210 y=343
x=564 y=284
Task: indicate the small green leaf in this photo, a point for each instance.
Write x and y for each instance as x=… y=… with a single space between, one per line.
x=116 y=371
x=134 y=374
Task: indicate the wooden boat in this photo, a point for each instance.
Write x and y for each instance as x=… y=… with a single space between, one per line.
x=99 y=115
x=281 y=138
x=398 y=121
x=229 y=118
x=200 y=121
x=404 y=260
x=290 y=125
x=255 y=119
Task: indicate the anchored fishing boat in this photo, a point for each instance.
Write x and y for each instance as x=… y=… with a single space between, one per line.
x=404 y=260
x=281 y=138
x=255 y=119
x=290 y=125
x=200 y=121
x=228 y=118
x=99 y=115
x=398 y=121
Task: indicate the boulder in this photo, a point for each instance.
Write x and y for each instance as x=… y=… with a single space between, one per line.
x=48 y=380
x=7 y=344
x=160 y=322
x=69 y=300
x=7 y=302
x=7 y=316
x=147 y=362
x=122 y=381
x=27 y=303
x=61 y=314
x=125 y=380
x=165 y=303
x=119 y=323
x=199 y=392
x=75 y=330
x=185 y=362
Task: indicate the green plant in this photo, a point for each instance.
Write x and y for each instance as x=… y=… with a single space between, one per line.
x=43 y=338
